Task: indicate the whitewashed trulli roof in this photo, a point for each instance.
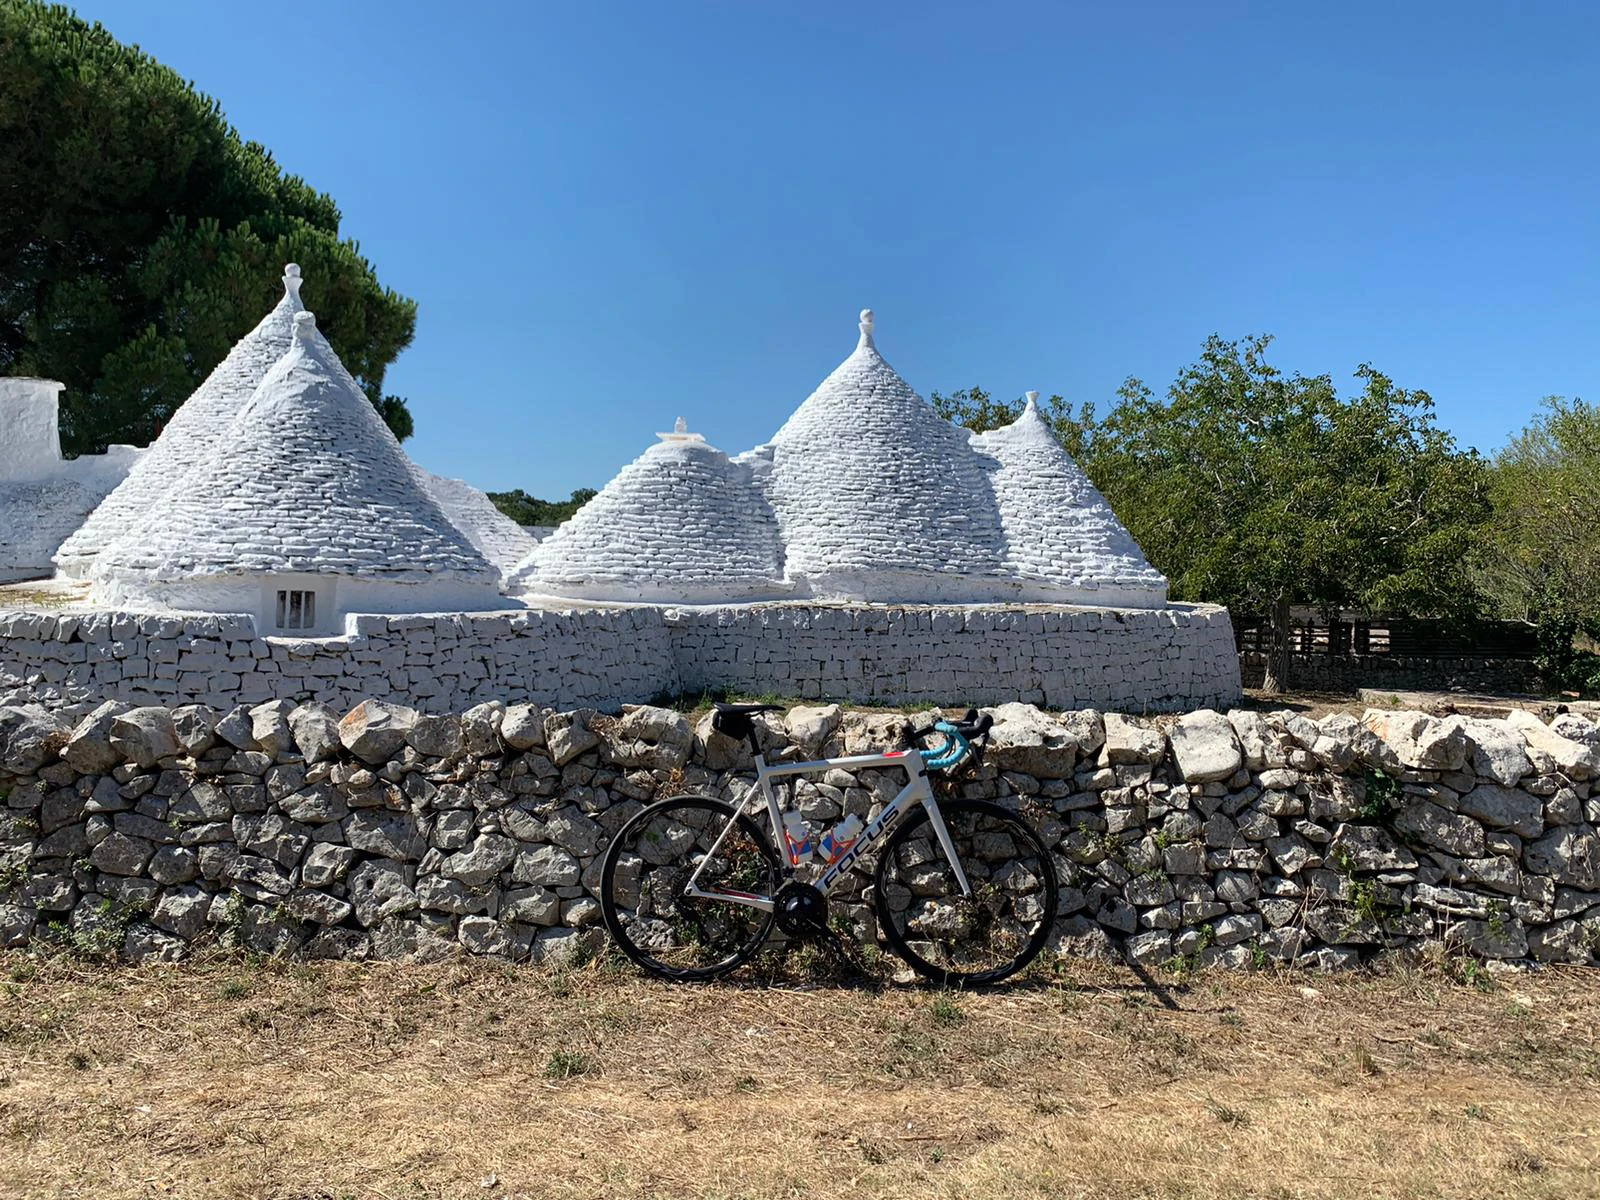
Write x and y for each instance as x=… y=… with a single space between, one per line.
x=190 y=436
x=681 y=523
x=34 y=519
x=877 y=496
x=495 y=536
x=308 y=478
x=1060 y=534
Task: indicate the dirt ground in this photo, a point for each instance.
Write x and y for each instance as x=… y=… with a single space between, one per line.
x=234 y=1078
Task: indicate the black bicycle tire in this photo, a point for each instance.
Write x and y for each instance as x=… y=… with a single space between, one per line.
x=899 y=944
x=613 y=919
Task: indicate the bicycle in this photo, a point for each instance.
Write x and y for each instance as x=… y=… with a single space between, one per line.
x=964 y=891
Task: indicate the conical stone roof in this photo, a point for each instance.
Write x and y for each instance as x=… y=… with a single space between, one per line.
x=308 y=478
x=877 y=496
x=493 y=534
x=1062 y=541
x=681 y=523
x=190 y=436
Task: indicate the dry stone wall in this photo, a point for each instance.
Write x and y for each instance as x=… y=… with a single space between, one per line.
x=1223 y=839
x=1148 y=660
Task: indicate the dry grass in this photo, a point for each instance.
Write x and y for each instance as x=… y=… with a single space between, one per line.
x=233 y=1079
x=35 y=595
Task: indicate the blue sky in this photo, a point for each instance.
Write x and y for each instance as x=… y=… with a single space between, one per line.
x=611 y=214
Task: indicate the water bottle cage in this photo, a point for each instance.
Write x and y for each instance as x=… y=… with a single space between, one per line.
x=953 y=751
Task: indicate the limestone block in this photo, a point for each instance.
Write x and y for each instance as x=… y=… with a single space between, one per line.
x=1420 y=742
x=1204 y=747
x=269 y=726
x=1128 y=742
x=374 y=732
x=1505 y=808
x=89 y=749
x=522 y=727
x=1435 y=826
x=1579 y=760
x=30 y=737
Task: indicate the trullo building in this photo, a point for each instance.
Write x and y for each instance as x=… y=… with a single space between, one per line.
x=306 y=509
x=682 y=523
x=864 y=494
x=191 y=436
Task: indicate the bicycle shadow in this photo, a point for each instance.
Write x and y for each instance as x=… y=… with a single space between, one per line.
x=843 y=967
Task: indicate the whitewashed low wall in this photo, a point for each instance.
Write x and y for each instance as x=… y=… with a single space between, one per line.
x=1157 y=660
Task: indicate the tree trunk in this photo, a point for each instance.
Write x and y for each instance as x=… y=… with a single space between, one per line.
x=1277 y=673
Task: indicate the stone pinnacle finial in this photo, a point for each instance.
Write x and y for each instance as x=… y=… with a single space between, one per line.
x=680 y=433
x=291 y=280
x=1033 y=399
x=305 y=325
x=866 y=327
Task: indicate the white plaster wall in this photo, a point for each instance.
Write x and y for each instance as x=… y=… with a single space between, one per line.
x=43 y=497
x=35 y=518
x=30 y=444
x=255 y=596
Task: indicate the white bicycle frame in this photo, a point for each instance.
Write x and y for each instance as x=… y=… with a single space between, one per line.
x=917 y=791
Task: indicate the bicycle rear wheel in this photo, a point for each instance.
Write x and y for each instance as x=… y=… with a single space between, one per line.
x=958 y=940
x=647 y=869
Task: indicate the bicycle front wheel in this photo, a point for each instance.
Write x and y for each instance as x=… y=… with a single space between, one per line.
x=644 y=888
x=963 y=940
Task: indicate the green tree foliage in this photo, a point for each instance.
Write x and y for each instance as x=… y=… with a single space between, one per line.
x=1540 y=561
x=977 y=410
x=140 y=237
x=529 y=510
x=1256 y=489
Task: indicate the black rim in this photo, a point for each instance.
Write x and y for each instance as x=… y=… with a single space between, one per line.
x=964 y=941
x=641 y=884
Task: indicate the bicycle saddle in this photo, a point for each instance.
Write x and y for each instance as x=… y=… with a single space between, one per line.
x=733 y=720
x=746 y=708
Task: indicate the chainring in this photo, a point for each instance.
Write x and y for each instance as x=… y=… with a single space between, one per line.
x=801 y=909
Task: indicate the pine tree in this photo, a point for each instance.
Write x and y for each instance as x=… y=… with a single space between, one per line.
x=140 y=237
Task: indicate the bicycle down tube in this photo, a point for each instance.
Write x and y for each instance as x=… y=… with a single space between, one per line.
x=917 y=789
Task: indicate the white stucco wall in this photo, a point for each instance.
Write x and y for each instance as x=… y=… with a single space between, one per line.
x=43 y=497
x=30 y=444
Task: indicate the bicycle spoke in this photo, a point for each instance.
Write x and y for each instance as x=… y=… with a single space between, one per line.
x=981 y=937
x=645 y=898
